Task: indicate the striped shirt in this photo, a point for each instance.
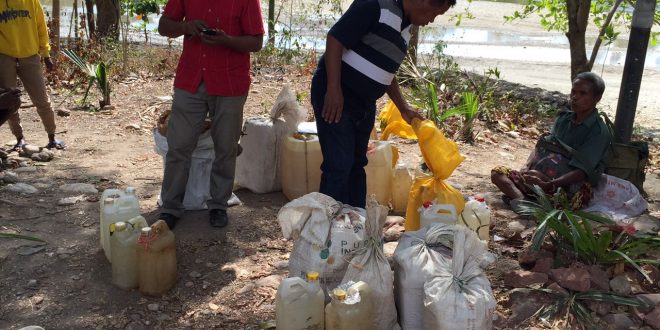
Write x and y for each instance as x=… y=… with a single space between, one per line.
x=375 y=35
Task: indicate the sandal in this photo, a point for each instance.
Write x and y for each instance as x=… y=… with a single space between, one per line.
x=56 y=144
x=18 y=147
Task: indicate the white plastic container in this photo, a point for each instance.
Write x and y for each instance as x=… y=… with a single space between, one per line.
x=476 y=216
x=300 y=165
x=124 y=256
x=116 y=205
x=401 y=183
x=351 y=308
x=380 y=172
x=437 y=213
x=300 y=304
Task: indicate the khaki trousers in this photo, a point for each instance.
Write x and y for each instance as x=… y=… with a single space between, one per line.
x=30 y=71
x=184 y=128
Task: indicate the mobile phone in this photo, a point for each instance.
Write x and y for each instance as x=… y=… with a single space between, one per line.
x=210 y=32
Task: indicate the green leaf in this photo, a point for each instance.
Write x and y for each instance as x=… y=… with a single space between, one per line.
x=19 y=236
x=634 y=264
x=610 y=298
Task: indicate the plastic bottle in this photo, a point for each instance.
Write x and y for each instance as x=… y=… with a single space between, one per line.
x=430 y=213
x=380 y=172
x=300 y=304
x=116 y=205
x=401 y=183
x=300 y=165
x=124 y=257
x=476 y=216
x=350 y=308
x=156 y=256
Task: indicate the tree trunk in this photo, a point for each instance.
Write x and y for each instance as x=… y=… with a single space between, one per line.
x=108 y=18
x=578 y=18
x=414 y=42
x=91 y=26
x=56 y=27
x=271 y=23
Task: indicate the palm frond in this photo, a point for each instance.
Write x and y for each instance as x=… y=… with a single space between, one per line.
x=19 y=236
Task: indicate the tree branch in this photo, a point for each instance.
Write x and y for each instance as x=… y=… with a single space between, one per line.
x=599 y=40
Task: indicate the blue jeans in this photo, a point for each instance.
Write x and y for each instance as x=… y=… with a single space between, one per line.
x=344 y=147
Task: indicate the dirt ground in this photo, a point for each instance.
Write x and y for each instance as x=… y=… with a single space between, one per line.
x=66 y=284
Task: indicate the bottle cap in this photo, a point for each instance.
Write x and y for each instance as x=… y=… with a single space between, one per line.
x=339 y=294
x=312 y=276
x=146 y=230
x=109 y=200
x=130 y=190
x=120 y=226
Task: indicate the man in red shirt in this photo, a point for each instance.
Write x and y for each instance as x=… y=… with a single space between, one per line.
x=212 y=79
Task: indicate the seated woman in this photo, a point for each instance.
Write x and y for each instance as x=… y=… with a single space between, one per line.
x=572 y=156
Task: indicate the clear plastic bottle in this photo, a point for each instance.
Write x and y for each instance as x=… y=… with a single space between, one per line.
x=156 y=254
x=476 y=216
x=300 y=304
x=124 y=256
x=350 y=308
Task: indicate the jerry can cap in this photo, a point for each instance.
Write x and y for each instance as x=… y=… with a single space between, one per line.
x=108 y=200
x=312 y=276
x=340 y=294
x=120 y=226
x=146 y=230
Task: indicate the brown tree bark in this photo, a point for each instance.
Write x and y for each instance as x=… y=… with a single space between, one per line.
x=271 y=23
x=55 y=33
x=108 y=18
x=413 y=43
x=578 y=18
x=91 y=25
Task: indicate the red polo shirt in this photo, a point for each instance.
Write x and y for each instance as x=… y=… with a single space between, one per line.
x=224 y=71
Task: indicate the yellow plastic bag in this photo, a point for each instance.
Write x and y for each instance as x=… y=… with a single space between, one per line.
x=442 y=157
x=394 y=123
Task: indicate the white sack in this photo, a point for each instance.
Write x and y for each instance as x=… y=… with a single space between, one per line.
x=617 y=199
x=414 y=261
x=458 y=295
x=324 y=232
x=257 y=167
x=370 y=265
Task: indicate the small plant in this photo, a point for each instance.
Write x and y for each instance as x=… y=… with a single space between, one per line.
x=96 y=73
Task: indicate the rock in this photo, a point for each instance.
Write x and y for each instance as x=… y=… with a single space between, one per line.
x=213 y=306
x=393 y=233
x=524 y=305
x=389 y=247
x=195 y=274
x=25 y=169
x=653 y=318
x=71 y=200
x=79 y=188
x=599 y=278
x=43 y=156
x=272 y=281
x=619 y=321
x=21 y=188
x=29 y=150
x=63 y=112
x=513 y=134
x=515 y=227
x=601 y=308
x=32 y=283
x=282 y=264
x=529 y=257
x=652 y=299
x=30 y=250
x=37 y=300
x=543 y=265
x=153 y=307
x=9 y=177
x=75 y=278
x=394 y=220
x=621 y=284
x=523 y=278
x=573 y=278
x=189 y=284
x=557 y=288
x=247 y=288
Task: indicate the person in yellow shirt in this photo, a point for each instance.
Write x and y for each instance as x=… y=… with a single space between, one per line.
x=23 y=43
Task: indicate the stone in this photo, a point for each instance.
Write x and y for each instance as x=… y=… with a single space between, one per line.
x=43 y=156
x=75 y=278
x=601 y=308
x=653 y=318
x=389 y=247
x=247 y=288
x=394 y=220
x=282 y=265
x=573 y=278
x=29 y=150
x=38 y=300
x=618 y=321
x=9 y=177
x=523 y=278
x=30 y=250
x=153 y=307
x=523 y=306
x=272 y=281
x=393 y=233
x=621 y=284
x=195 y=274
x=21 y=188
x=515 y=227
x=79 y=188
x=63 y=112
x=652 y=299
x=529 y=257
x=32 y=284
x=599 y=278
x=543 y=265
x=25 y=169
x=557 y=288
x=71 y=200
x=189 y=284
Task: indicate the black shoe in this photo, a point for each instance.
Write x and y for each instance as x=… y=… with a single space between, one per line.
x=169 y=219
x=218 y=218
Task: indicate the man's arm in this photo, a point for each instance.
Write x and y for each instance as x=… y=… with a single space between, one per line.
x=172 y=29
x=242 y=44
x=333 y=104
x=407 y=112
